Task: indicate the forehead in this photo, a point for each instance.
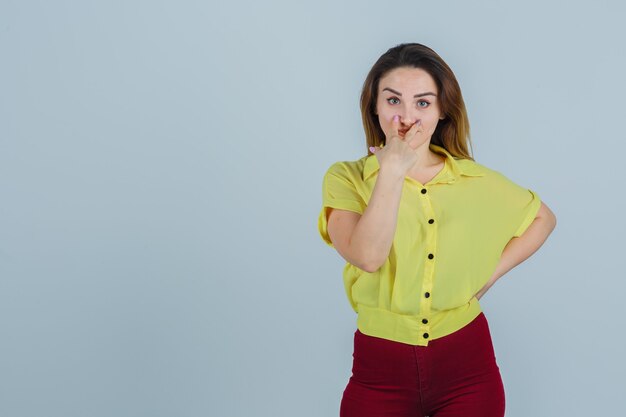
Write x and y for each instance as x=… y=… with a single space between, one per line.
x=408 y=79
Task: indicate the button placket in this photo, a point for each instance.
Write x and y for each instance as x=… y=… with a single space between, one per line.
x=429 y=267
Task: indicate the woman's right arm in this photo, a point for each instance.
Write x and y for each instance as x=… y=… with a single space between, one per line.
x=365 y=240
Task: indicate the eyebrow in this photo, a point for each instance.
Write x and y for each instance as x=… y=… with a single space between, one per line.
x=415 y=96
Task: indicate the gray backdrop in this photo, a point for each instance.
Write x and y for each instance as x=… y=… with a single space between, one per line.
x=160 y=181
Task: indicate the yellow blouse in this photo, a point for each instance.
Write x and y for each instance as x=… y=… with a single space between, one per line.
x=449 y=237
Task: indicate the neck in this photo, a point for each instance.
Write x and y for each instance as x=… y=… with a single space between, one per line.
x=427 y=159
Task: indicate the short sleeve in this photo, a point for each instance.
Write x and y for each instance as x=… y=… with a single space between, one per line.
x=338 y=191
x=527 y=212
x=519 y=205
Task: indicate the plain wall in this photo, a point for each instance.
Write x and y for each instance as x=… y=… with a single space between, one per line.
x=160 y=182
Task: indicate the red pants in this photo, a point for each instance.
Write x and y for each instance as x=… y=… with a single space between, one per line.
x=454 y=376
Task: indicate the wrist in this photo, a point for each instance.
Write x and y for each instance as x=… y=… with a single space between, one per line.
x=391 y=173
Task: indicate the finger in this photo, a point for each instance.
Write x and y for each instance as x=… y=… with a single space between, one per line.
x=417 y=126
x=395 y=125
x=415 y=139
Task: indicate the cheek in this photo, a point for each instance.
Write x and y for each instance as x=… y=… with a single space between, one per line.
x=432 y=119
x=384 y=121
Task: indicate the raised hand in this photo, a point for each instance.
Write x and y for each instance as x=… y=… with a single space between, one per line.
x=399 y=153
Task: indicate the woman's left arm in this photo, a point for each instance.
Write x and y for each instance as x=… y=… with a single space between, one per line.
x=521 y=248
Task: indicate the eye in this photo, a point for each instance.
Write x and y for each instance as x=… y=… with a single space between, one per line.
x=423 y=103
x=392 y=98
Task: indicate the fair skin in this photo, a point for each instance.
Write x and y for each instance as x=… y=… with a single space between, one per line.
x=410 y=94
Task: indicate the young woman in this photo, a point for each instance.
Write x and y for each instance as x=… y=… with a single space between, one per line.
x=425 y=231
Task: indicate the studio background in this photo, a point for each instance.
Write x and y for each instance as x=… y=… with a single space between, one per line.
x=160 y=182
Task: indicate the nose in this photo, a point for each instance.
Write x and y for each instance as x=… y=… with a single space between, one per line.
x=407 y=117
x=407 y=121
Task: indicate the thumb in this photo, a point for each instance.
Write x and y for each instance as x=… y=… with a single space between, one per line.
x=395 y=125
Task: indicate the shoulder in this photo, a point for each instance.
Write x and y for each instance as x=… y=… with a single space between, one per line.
x=479 y=169
x=498 y=185
x=347 y=169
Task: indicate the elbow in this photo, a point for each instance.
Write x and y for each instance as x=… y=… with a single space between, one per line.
x=365 y=257
x=550 y=219
x=370 y=267
x=553 y=221
x=547 y=216
x=371 y=263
